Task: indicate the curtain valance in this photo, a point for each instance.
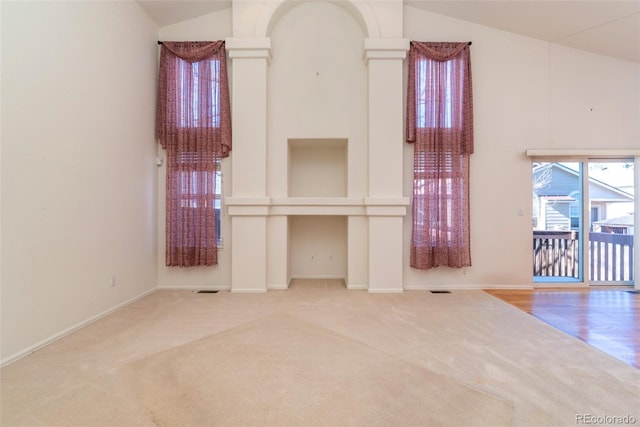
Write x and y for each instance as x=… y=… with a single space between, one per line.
x=439 y=51
x=439 y=100
x=193 y=51
x=193 y=109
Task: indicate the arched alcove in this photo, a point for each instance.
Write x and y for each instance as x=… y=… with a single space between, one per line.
x=360 y=11
x=317 y=128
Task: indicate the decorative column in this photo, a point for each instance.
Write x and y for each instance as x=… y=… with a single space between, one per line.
x=385 y=205
x=248 y=206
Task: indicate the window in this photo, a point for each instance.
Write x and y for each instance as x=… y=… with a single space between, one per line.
x=440 y=124
x=195 y=184
x=193 y=124
x=575 y=214
x=436 y=220
x=431 y=90
x=194 y=111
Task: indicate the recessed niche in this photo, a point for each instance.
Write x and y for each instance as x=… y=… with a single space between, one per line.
x=318 y=246
x=317 y=167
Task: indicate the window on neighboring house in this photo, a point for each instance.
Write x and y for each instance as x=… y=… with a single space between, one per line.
x=575 y=214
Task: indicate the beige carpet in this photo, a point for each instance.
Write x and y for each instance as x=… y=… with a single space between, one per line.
x=317 y=354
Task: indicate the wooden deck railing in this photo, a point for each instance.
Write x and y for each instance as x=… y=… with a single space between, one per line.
x=611 y=257
x=556 y=254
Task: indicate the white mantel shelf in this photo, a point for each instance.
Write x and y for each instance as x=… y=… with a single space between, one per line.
x=349 y=206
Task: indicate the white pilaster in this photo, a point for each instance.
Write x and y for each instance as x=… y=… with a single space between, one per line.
x=278 y=252
x=250 y=57
x=385 y=205
x=357 y=252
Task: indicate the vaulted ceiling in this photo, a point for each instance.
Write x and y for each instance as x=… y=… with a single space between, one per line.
x=606 y=27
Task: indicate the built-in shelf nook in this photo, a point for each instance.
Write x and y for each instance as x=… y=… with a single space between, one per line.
x=317 y=168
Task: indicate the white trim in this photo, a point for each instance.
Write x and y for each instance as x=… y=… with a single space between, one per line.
x=591 y=154
x=37 y=346
x=636 y=221
x=357 y=287
x=193 y=288
x=560 y=285
x=318 y=277
x=467 y=287
x=385 y=291
x=278 y=287
x=248 y=291
x=248 y=47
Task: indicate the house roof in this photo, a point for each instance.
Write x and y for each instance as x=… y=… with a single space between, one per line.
x=557 y=179
x=626 y=220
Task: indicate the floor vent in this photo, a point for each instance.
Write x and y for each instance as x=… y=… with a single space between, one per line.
x=208 y=292
x=440 y=292
x=635 y=291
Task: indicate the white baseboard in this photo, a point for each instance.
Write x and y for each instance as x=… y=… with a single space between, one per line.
x=357 y=287
x=248 y=291
x=385 y=291
x=320 y=277
x=278 y=286
x=194 y=288
x=55 y=337
x=465 y=287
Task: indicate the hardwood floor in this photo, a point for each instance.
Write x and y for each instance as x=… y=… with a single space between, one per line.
x=605 y=318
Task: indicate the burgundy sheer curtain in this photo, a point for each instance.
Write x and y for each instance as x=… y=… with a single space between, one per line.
x=193 y=123
x=440 y=125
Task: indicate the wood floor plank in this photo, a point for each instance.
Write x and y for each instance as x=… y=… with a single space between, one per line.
x=605 y=318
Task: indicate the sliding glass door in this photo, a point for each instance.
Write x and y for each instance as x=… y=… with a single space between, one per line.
x=583 y=221
x=557 y=221
x=611 y=222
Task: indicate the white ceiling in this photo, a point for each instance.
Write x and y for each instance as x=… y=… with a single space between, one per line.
x=606 y=27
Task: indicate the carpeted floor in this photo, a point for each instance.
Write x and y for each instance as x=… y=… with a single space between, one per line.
x=317 y=354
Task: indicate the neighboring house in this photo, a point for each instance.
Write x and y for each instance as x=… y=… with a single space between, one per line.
x=556 y=192
x=618 y=225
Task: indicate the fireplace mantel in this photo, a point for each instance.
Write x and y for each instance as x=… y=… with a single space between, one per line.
x=348 y=206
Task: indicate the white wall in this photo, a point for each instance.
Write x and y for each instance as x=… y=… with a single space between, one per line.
x=527 y=94
x=78 y=174
x=215 y=26
x=594 y=100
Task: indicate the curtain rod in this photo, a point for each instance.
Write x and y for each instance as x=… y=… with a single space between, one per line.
x=159 y=42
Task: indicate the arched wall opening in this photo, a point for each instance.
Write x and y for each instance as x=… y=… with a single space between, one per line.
x=317 y=103
x=359 y=10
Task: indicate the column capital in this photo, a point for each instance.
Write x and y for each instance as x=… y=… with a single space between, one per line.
x=385 y=48
x=248 y=47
